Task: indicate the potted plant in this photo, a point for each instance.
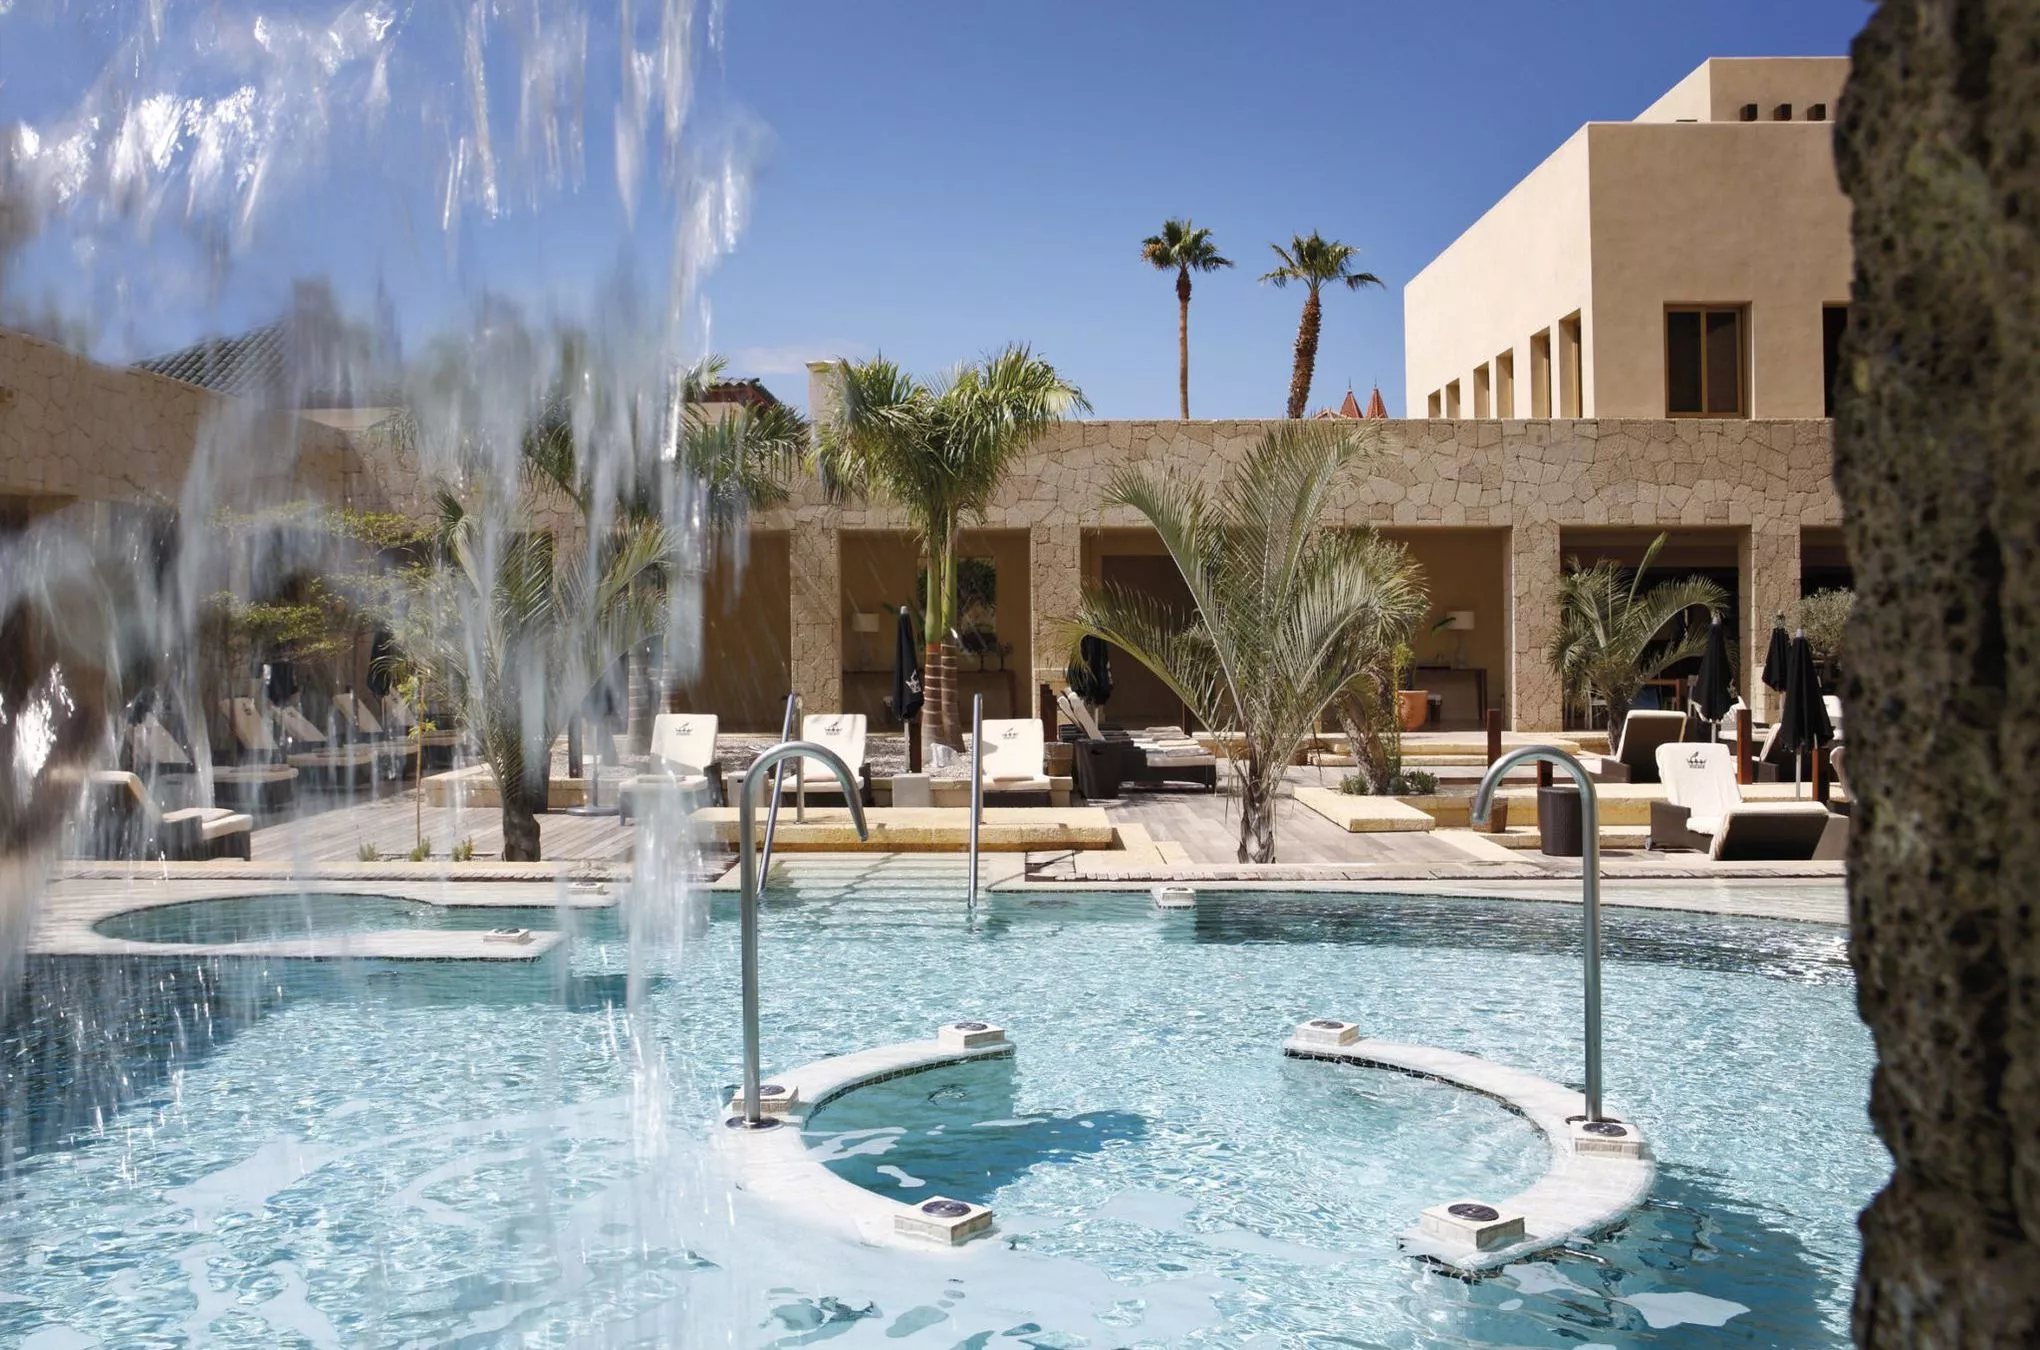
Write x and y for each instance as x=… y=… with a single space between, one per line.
x=1413 y=705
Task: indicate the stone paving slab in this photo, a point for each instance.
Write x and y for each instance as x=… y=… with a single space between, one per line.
x=1364 y=815
x=896 y=829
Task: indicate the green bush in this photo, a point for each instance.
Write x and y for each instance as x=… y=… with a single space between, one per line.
x=367 y=853
x=1402 y=783
x=464 y=851
x=421 y=850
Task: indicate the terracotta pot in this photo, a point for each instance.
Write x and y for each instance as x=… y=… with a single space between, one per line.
x=1413 y=706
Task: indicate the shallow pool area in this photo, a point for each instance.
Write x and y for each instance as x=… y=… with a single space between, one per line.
x=359 y=1152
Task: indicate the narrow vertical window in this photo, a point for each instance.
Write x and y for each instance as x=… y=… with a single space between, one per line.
x=1452 y=399
x=1437 y=404
x=1540 y=374
x=1505 y=384
x=1834 y=321
x=1480 y=391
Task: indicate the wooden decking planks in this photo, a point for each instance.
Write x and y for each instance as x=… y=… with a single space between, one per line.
x=332 y=830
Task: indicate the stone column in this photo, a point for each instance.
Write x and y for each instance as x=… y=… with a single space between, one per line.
x=1055 y=578
x=1536 y=701
x=815 y=566
x=1769 y=585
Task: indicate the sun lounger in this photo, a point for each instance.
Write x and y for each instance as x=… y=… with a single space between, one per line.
x=683 y=764
x=1107 y=760
x=262 y=784
x=123 y=821
x=1632 y=757
x=844 y=733
x=1704 y=810
x=435 y=748
x=355 y=718
x=1014 y=764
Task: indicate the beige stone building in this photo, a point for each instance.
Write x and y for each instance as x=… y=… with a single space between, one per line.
x=1691 y=257
x=1693 y=262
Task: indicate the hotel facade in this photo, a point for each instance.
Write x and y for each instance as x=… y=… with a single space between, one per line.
x=1695 y=387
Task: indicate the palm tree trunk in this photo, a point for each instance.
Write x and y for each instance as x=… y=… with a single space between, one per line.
x=1306 y=354
x=1257 y=813
x=523 y=798
x=1183 y=340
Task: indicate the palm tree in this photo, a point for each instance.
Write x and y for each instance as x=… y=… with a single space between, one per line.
x=515 y=636
x=938 y=451
x=1608 y=627
x=1287 y=613
x=1313 y=260
x=1187 y=249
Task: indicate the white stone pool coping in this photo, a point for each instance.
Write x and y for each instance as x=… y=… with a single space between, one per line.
x=1579 y=1195
x=67 y=924
x=776 y=1165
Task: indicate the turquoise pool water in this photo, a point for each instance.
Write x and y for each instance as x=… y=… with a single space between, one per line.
x=243 y=1153
x=270 y=918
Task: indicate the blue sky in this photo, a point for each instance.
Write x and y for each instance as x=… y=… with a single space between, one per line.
x=941 y=180
x=927 y=181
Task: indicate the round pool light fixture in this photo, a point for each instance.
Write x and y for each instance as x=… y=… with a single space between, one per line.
x=1605 y=1127
x=945 y=1209
x=1475 y=1213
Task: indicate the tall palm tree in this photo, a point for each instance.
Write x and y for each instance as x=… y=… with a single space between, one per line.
x=1609 y=626
x=1314 y=261
x=1286 y=612
x=938 y=451
x=1185 y=248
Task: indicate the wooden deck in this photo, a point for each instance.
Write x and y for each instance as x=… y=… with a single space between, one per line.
x=327 y=829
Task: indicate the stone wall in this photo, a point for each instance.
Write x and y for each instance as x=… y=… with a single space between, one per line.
x=1534 y=478
x=74 y=430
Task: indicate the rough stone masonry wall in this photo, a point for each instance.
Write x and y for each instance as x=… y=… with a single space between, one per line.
x=1937 y=457
x=71 y=429
x=1532 y=477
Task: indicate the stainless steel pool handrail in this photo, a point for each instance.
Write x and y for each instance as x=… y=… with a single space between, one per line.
x=977 y=787
x=786 y=726
x=754 y=1117
x=1590 y=885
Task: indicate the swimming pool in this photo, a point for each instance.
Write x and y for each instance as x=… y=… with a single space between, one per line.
x=343 y=1153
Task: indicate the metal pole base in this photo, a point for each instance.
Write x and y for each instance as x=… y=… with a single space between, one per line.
x=739 y=1123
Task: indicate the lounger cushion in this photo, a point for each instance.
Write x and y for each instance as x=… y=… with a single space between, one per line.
x=1770 y=832
x=1013 y=753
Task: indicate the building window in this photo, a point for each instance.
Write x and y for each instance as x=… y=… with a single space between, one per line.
x=1704 y=361
x=1452 y=399
x=1540 y=374
x=1480 y=390
x=1437 y=404
x=1569 y=394
x=1505 y=384
x=1834 y=321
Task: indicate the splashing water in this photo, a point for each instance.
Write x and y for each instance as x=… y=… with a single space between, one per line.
x=469 y=216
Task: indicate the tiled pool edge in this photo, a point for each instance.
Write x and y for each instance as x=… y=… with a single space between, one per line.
x=776 y=1165
x=1579 y=1195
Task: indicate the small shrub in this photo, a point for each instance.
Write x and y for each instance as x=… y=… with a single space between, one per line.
x=367 y=853
x=1413 y=783
x=1401 y=783
x=420 y=851
x=464 y=851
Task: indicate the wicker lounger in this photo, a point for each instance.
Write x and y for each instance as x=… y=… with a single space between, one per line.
x=1705 y=812
x=125 y=823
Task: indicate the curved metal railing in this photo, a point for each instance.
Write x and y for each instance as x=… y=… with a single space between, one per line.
x=1590 y=884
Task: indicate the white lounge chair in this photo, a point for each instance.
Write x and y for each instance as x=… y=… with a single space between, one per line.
x=845 y=733
x=683 y=763
x=1704 y=810
x=434 y=747
x=1015 y=759
x=358 y=721
x=1631 y=756
x=309 y=751
x=124 y=822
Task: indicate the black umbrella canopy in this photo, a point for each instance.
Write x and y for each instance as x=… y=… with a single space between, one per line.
x=1803 y=723
x=1778 y=657
x=1090 y=675
x=1714 y=688
x=906 y=686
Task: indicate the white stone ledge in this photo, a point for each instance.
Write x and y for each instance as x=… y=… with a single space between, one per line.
x=1579 y=1195
x=776 y=1165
